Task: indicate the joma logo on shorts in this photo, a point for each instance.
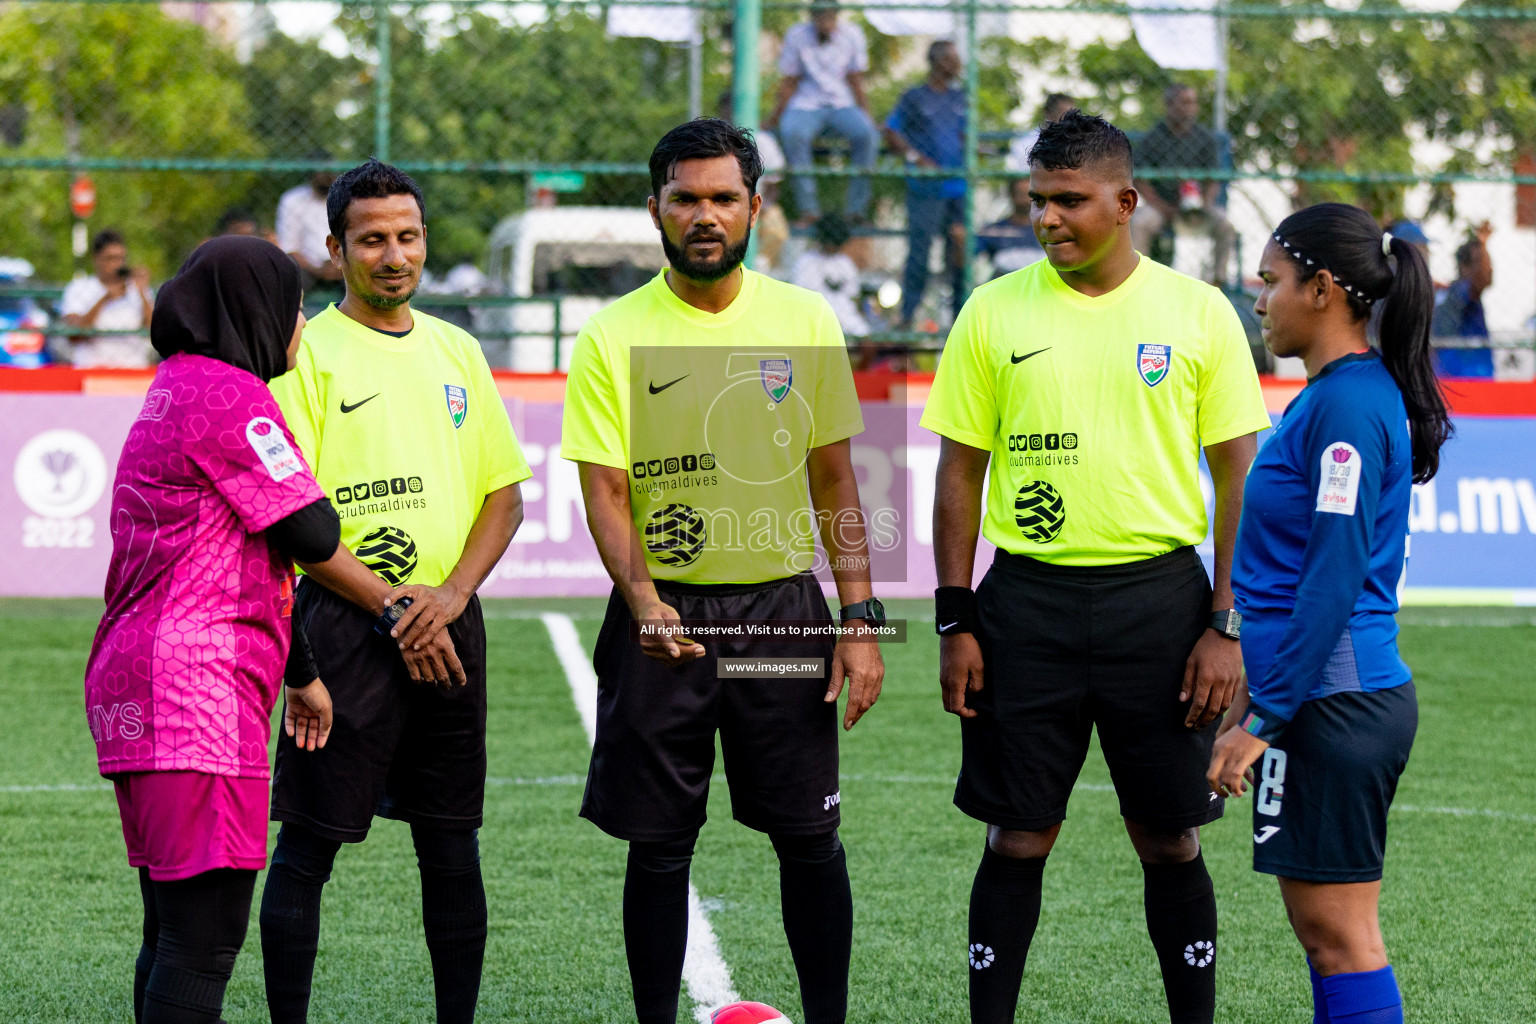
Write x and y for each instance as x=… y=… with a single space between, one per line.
x=124 y=719
x=832 y=801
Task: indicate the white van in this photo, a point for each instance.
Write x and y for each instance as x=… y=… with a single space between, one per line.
x=588 y=255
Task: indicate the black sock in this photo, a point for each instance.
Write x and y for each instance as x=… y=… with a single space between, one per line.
x=1005 y=908
x=1181 y=919
x=453 y=915
x=202 y=922
x=817 y=905
x=290 y=919
x=146 y=960
x=656 y=925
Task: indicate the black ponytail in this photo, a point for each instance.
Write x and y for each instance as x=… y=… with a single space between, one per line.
x=1345 y=241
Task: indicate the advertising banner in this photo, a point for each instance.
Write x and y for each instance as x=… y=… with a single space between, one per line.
x=1474 y=526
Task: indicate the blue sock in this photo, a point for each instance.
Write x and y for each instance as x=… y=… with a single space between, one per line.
x=1368 y=997
x=1319 y=998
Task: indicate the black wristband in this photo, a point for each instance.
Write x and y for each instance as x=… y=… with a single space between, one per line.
x=954 y=611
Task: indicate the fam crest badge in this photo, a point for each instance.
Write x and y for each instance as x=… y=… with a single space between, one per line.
x=1152 y=363
x=777 y=376
x=458 y=404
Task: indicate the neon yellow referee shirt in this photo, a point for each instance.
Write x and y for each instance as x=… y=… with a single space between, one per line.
x=406 y=435
x=712 y=416
x=1095 y=409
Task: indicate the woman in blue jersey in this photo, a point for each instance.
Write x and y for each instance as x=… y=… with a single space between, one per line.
x=1330 y=712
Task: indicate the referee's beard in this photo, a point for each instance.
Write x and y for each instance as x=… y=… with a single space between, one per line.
x=706 y=271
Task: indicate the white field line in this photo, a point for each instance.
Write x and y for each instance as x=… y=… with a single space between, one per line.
x=704 y=969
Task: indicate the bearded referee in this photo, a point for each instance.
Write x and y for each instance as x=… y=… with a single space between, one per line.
x=398 y=415
x=1090 y=382
x=710 y=413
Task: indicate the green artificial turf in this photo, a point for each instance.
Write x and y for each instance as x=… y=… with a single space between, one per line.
x=1460 y=882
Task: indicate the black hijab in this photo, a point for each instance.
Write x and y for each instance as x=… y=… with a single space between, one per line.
x=236 y=299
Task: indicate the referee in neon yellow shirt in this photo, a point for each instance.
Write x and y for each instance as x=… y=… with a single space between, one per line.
x=1090 y=381
x=710 y=413
x=401 y=421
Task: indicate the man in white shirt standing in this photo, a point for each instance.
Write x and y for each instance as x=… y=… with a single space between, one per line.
x=118 y=298
x=302 y=226
x=822 y=65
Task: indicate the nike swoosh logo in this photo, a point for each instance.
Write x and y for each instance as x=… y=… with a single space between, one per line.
x=658 y=390
x=1265 y=834
x=358 y=405
x=948 y=626
x=1019 y=359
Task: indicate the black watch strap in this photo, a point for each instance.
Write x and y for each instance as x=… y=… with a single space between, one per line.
x=1228 y=622
x=872 y=611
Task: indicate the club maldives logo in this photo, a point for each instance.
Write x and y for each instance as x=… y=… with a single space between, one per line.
x=458 y=404
x=777 y=376
x=1152 y=363
x=60 y=474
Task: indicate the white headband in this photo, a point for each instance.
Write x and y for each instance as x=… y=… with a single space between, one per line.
x=1386 y=243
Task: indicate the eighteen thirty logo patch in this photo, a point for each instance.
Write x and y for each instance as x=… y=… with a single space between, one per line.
x=1339 y=487
x=777 y=375
x=1152 y=363
x=458 y=404
x=266 y=438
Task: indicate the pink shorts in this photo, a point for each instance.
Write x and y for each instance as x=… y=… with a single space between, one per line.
x=180 y=824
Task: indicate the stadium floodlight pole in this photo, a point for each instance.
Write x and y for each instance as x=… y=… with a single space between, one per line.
x=972 y=136
x=748 y=23
x=382 y=82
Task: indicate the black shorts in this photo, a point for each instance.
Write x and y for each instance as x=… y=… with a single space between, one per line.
x=1067 y=648
x=1322 y=791
x=398 y=749
x=655 y=746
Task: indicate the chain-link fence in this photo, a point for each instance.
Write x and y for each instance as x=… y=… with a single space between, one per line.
x=518 y=118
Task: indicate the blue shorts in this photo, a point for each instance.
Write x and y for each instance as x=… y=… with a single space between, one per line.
x=1322 y=793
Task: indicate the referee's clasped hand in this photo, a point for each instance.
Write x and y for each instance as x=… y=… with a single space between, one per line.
x=664 y=640
x=1211 y=678
x=431 y=610
x=960 y=672
x=436 y=662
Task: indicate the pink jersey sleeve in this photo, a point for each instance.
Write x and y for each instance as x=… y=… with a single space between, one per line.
x=244 y=447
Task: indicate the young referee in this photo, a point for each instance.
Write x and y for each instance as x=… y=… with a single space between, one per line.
x=710 y=413
x=1329 y=704
x=402 y=424
x=1090 y=382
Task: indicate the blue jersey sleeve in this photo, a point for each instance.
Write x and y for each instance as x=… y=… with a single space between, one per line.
x=1345 y=446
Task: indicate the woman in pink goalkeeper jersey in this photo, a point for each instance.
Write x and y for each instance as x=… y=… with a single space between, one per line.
x=211 y=506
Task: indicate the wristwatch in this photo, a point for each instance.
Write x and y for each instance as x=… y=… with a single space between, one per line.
x=872 y=611
x=1228 y=623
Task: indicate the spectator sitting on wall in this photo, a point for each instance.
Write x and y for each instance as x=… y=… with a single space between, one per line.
x=117 y=297
x=832 y=272
x=302 y=227
x=1460 y=313
x=1017 y=160
x=823 y=62
x=1011 y=243
x=928 y=126
x=1180 y=142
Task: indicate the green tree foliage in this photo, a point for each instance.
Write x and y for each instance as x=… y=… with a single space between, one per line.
x=125 y=81
x=477 y=89
x=1345 y=94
